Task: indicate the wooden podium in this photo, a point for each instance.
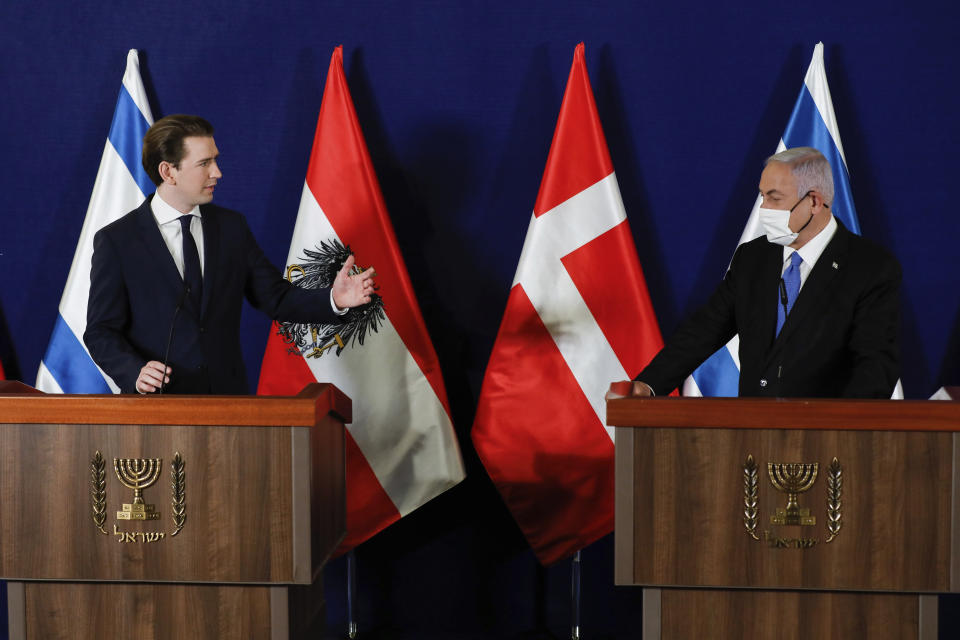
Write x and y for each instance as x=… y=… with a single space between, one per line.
x=730 y=541
x=241 y=502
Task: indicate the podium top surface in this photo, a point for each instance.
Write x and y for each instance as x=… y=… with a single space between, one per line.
x=792 y=413
x=21 y=404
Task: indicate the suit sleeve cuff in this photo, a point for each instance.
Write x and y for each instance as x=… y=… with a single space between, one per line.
x=333 y=305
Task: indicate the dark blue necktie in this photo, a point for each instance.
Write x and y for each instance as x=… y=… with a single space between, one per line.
x=791 y=281
x=192 y=276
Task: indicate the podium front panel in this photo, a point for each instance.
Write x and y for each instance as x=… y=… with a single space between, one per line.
x=241 y=514
x=690 y=515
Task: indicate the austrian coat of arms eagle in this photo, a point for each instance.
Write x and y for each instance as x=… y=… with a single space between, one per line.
x=317 y=270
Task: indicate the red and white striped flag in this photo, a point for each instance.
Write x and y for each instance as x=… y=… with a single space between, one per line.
x=401 y=447
x=578 y=317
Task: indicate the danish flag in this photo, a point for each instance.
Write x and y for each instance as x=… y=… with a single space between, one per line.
x=578 y=317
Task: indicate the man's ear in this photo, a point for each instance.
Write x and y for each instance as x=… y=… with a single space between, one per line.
x=818 y=202
x=168 y=173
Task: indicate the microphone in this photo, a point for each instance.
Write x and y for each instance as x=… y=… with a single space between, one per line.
x=166 y=355
x=783 y=295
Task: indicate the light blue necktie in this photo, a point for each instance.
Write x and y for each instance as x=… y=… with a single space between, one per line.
x=791 y=280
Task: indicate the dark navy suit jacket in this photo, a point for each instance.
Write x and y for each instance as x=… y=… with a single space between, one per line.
x=840 y=339
x=135 y=290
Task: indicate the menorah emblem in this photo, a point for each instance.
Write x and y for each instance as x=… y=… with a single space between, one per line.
x=792 y=479
x=138 y=474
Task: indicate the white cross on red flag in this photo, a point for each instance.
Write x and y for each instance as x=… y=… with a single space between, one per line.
x=578 y=317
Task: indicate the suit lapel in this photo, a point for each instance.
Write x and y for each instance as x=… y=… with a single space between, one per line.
x=153 y=240
x=770 y=292
x=211 y=253
x=820 y=282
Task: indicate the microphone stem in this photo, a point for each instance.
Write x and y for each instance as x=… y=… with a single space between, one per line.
x=166 y=354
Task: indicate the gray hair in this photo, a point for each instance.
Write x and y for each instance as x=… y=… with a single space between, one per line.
x=810 y=168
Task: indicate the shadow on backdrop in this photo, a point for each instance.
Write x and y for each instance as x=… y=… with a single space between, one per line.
x=872 y=212
x=636 y=201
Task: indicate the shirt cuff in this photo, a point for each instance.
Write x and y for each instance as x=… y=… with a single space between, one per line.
x=333 y=305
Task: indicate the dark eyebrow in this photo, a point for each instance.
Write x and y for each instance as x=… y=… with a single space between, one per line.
x=202 y=160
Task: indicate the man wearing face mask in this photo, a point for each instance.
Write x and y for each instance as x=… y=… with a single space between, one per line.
x=816 y=306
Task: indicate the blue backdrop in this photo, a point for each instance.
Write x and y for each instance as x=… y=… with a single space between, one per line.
x=458 y=101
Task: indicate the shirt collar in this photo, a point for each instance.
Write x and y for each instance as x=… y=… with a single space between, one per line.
x=811 y=251
x=165 y=213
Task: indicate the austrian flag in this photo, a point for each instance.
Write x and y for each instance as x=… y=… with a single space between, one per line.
x=578 y=317
x=401 y=448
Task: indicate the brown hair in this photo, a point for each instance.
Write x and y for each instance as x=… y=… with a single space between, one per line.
x=163 y=141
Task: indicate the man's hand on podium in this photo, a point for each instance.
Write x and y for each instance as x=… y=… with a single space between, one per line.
x=152 y=377
x=629 y=389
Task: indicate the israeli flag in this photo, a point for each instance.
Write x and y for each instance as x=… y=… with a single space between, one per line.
x=121 y=185
x=812 y=124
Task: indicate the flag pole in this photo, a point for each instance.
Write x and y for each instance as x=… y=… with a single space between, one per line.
x=351 y=594
x=575 y=597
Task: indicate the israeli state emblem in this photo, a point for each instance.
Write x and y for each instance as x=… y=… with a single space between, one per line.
x=138 y=474
x=317 y=270
x=793 y=480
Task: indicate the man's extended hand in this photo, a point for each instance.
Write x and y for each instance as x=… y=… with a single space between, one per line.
x=152 y=377
x=628 y=389
x=352 y=290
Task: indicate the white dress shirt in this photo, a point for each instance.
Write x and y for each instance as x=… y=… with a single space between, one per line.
x=811 y=251
x=168 y=220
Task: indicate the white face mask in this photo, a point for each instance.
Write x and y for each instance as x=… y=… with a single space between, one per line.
x=776 y=224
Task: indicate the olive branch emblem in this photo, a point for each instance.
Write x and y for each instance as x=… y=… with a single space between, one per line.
x=98 y=491
x=178 y=490
x=750 y=491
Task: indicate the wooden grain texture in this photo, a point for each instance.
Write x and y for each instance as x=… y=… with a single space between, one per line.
x=238 y=504
x=955 y=518
x=239 y=498
x=651 y=604
x=17 y=387
x=624 y=518
x=18 y=405
x=328 y=523
x=766 y=413
x=319 y=518
x=256 y=496
x=786 y=615
x=929 y=617
x=16 y=610
x=300 y=515
x=77 y=611
x=688 y=510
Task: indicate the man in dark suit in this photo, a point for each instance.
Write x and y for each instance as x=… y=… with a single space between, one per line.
x=176 y=269
x=816 y=306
